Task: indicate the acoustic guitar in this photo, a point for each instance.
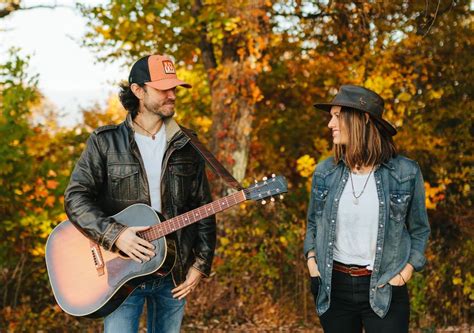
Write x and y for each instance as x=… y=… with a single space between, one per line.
x=89 y=281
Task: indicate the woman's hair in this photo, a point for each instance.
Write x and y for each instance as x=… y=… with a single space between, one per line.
x=368 y=143
x=128 y=99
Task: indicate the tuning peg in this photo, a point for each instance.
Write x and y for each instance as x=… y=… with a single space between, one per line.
x=281 y=196
x=272 y=199
x=263 y=202
x=273 y=175
x=264 y=178
x=256 y=181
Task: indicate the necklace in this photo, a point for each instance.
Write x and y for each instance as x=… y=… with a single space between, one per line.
x=355 y=200
x=152 y=135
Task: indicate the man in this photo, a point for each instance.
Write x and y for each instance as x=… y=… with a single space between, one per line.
x=146 y=159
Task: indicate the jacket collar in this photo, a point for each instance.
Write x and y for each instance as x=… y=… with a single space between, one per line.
x=388 y=164
x=171 y=127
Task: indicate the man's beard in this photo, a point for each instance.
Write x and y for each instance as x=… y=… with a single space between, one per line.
x=158 y=109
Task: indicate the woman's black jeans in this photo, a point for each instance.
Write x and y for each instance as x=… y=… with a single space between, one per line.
x=350 y=309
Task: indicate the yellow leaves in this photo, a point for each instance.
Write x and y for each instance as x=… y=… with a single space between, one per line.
x=305 y=165
x=457 y=281
x=224 y=241
x=434 y=195
x=404 y=97
x=435 y=94
x=231 y=25
x=150 y=18
x=283 y=241
x=204 y=123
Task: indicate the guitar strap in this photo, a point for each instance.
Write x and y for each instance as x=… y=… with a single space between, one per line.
x=211 y=160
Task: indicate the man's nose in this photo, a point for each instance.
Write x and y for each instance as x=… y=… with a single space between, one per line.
x=170 y=94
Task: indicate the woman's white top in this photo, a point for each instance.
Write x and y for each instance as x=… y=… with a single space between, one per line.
x=356 y=225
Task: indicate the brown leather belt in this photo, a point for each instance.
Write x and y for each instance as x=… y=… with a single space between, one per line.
x=352 y=270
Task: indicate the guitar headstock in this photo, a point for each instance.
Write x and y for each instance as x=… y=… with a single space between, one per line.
x=267 y=187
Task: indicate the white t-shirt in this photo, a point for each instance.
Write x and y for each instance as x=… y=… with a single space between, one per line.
x=152 y=152
x=357 y=225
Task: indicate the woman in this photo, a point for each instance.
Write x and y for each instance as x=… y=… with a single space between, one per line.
x=367 y=224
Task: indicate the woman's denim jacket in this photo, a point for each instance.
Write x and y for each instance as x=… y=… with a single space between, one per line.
x=403 y=227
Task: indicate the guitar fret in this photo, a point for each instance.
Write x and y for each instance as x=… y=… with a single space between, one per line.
x=180 y=221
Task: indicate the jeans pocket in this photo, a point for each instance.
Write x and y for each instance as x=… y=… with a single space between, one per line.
x=315 y=285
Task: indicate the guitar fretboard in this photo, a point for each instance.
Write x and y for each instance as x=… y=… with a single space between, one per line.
x=181 y=221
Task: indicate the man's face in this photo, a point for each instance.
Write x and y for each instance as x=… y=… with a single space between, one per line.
x=159 y=102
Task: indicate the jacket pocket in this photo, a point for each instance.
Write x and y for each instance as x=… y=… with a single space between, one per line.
x=183 y=181
x=123 y=181
x=399 y=202
x=319 y=195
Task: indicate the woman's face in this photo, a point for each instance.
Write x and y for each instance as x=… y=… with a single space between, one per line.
x=339 y=132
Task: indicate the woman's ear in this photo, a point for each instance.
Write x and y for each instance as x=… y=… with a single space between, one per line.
x=366 y=118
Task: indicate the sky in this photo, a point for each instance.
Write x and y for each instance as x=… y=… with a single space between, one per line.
x=69 y=75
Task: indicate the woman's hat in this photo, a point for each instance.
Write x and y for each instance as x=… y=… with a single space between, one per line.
x=361 y=99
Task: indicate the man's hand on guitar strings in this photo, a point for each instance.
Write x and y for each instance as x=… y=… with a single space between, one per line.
x=185 y=288
x=135 y=247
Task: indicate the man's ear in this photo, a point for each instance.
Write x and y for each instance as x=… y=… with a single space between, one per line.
x=137 y=90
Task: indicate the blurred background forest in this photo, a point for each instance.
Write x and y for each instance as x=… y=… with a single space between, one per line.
x=256 y=68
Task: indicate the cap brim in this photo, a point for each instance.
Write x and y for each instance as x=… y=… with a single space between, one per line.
x=385 y=124
x=166 y=84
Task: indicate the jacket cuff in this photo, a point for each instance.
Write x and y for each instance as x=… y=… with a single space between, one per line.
x=202 y=266
x=111 y=234
x=417 y=260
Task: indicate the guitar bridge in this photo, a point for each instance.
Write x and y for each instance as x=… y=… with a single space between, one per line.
x=97 y=258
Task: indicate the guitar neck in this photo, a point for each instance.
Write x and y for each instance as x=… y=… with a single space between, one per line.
x=183 y=220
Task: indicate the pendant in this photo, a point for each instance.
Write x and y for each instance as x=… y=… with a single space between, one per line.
x=153 y=137
x=355 y=201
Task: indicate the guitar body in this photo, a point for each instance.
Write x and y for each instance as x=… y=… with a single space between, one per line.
x=80 y=288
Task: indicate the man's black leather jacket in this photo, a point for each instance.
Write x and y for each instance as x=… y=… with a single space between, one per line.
x=110 y=176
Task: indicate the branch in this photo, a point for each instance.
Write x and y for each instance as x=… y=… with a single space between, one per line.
x=12 y=7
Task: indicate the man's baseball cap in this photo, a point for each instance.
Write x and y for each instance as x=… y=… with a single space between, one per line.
x=156 y=71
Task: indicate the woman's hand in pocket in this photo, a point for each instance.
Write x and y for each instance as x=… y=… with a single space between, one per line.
x=403 y=277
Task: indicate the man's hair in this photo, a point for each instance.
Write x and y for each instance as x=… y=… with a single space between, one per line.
x=368 y=143
x=128 y=99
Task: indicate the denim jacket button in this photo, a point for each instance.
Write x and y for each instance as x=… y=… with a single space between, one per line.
x=333 y=221
x=379 y=248
x=381 y=202
x=330 y=243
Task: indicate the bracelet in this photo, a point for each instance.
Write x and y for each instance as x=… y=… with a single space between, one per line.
x=402 y=278
x=311 y=257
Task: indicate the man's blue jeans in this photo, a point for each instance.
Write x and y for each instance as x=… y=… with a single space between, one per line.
x=165 y=313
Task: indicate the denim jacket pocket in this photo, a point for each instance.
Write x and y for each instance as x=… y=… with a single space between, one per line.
x=320 y=195
x=123 y=181
x=399 y=202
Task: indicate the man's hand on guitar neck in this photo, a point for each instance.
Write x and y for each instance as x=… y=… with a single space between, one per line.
x=185 y=288
x=133 y=246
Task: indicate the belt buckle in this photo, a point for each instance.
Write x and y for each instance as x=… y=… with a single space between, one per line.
x=351 y=269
